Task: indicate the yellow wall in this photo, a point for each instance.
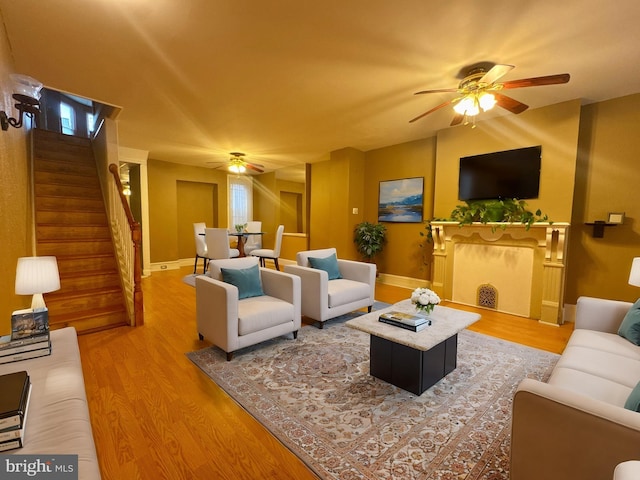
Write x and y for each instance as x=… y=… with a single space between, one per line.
x=163 y=212
x=337 y=187
x=554 y=127
x=405 y=253
x=15 y=204
x=607 y=181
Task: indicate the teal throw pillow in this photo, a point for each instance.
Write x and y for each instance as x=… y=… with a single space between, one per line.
x=633 y=402
x=246 y=279
x=630 y=326
x=328 y=264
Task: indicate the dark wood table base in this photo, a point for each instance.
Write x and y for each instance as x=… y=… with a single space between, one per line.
x=409 y=368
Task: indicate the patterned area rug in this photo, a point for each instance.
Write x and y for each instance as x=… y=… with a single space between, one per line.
x=315 y=394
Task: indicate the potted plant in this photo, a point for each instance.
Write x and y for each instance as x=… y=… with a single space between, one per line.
x=369 y=239
x=504 y=211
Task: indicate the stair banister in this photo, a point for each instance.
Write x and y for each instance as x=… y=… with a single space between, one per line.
x=136 y=237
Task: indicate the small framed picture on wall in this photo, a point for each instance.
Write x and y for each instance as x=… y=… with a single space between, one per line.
x=616 y=218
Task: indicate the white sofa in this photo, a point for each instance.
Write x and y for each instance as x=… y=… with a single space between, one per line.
x=575 y=425
x=323 y=299
x=58 y=418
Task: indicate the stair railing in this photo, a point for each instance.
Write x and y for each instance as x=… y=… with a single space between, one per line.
x=128 y=253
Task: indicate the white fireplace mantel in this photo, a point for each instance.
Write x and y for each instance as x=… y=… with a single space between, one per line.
x=541 y=252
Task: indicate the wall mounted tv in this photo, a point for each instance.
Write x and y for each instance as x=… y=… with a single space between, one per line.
x=507 y=174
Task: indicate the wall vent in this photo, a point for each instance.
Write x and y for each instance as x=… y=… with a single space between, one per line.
x=487 y=296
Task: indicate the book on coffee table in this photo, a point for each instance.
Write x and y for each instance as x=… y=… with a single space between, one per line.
x=414 y=323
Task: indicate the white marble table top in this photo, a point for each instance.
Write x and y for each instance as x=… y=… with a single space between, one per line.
x=446 y=322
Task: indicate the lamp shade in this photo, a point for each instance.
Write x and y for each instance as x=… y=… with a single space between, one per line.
x=35 y=276
x=634 y=276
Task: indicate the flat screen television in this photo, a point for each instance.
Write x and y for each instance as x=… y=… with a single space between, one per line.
x=507 y=174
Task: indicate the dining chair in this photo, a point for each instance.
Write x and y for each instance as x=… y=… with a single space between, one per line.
x=253 y=242
x=201 y=246
x=265 y=253
x=217 y=240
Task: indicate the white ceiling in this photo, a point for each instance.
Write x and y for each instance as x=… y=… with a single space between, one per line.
x=289 y=81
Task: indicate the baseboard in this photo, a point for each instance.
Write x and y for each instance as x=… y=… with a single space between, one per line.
x=174 y=265
x=405 y=282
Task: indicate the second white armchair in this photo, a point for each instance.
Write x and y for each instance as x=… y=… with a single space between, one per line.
x=335 y=287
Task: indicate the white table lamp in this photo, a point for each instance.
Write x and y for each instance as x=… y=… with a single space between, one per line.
x=634 y=276
x=35 y=276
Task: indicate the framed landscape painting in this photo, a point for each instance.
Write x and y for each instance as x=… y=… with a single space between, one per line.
x=401 y=200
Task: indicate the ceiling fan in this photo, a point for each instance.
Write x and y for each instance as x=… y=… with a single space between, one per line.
x=237 y=164
x=480 y=90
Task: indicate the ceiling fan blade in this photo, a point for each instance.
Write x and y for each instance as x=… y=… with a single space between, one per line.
x=457 y=120
x=254 y=167
x=442 y=105
x=439 y=90
x=508 y=103
x=537 y=81
x=496 y=72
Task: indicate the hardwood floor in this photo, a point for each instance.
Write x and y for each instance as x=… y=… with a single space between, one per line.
x=157 y=416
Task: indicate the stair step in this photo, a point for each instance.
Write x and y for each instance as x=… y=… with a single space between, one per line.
x=92 y=320
x=58 y=248
x=71 y=264
x=70 y=191
x=70 y=218
x=69 y=204
x=66 y=179
x=75 y=302
x=57 y=138
x=85 y=169
x=89 y=281
x=72 y=232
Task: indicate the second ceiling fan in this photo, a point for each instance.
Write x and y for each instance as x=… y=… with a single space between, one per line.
x=480 y=90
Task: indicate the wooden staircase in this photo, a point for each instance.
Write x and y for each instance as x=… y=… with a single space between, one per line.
x=72 y=225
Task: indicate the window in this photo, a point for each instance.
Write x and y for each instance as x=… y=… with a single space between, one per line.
x=91 y=123
x=67 y=119
x=240 y=200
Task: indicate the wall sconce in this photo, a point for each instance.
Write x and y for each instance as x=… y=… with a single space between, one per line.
x=35 y=276
x=27 y=95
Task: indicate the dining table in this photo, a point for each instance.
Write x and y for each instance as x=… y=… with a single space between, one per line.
x=242 y=238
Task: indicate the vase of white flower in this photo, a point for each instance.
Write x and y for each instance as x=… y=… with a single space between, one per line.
x=425 y=300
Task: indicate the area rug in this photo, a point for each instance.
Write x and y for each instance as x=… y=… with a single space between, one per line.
x=316 y=396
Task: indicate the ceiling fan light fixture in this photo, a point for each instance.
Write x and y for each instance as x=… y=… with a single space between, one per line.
x=468 y=106
x=237 y=166
x=487 y=101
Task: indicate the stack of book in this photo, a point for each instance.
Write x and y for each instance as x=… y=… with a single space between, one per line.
x=14 y=405
x=29 y=336
x=414 y=323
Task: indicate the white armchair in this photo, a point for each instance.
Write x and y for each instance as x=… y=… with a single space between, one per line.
x=323 y=299
x=232 y=323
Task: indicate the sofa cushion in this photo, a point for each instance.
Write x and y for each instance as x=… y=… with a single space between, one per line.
x=630 y=326
x=343 y=291
x=246 y=279
x=607 y=342
x=328 y=264
x=592 y=386
x=259 y=313
x=633 y=401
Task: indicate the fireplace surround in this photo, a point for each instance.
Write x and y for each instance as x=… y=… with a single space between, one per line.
x=525 y=266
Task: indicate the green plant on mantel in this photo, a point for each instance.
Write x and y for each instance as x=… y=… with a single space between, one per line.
x=369 y=239
x=504 y=211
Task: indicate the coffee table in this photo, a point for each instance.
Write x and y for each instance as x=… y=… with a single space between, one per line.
x=414 y=361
